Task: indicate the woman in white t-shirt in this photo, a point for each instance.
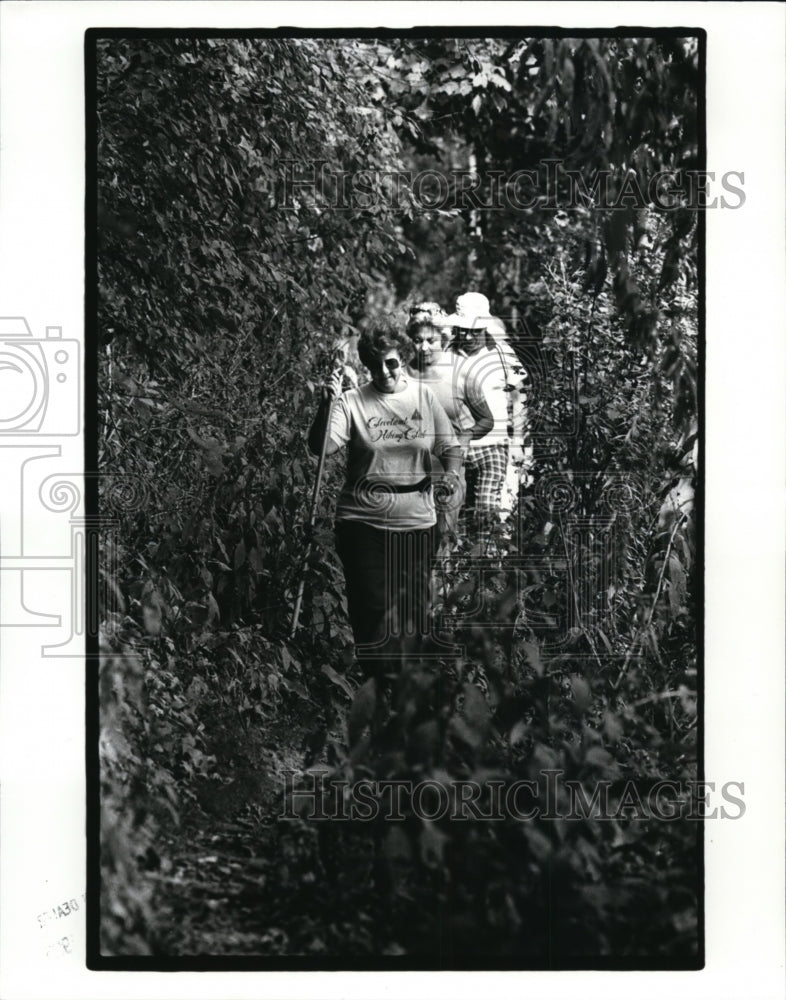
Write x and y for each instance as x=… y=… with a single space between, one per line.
x=385 y=515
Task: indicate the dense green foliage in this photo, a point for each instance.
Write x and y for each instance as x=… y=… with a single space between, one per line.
x=222 y=295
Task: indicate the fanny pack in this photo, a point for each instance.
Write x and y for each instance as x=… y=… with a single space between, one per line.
x=387 y=487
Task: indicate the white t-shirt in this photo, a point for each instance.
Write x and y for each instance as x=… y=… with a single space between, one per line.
x=451 y=382
x=390 y=439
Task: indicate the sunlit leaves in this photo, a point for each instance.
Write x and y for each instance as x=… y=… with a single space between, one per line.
x=220 y=305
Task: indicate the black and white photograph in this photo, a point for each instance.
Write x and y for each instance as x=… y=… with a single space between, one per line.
x=390 y=541
x=398 y=426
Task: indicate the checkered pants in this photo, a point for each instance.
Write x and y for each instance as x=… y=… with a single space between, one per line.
x=485 y=469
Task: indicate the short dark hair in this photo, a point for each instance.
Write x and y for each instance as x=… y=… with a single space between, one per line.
x=381 y=337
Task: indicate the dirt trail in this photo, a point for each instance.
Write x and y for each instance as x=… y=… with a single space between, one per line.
x=238 y=879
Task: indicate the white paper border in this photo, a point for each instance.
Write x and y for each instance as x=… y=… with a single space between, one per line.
x=41 y=705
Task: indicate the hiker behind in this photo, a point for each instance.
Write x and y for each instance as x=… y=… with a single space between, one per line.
x=461 y=398
x=520 y=451
x=385 y=515
x=494 y=369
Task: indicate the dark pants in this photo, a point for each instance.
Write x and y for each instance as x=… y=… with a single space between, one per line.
x=388 y=576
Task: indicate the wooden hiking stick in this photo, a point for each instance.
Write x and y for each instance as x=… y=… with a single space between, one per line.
x=312 y=517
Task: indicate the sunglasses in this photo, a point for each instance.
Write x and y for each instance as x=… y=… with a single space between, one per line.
x=390 y=363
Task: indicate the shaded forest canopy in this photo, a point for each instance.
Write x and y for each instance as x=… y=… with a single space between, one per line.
x=233 y=255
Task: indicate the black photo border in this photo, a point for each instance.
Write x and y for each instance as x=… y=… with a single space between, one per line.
x=295 y=963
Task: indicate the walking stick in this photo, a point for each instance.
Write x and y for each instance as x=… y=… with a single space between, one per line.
x=312 y=517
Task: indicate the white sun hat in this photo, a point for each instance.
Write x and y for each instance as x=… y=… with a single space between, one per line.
x=472 y=312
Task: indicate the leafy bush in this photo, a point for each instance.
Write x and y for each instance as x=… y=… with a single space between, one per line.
x=222 y=299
